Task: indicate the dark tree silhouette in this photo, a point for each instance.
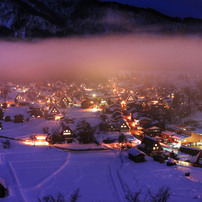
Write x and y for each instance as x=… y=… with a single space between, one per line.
x=85 y=132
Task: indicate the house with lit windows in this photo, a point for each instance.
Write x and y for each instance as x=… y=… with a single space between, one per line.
x=116 y=125
x=65 y=131
x=51 y=112
x=18 y=98
x=122 y=125
x=65 y=101
x=68 y=134
x=153 y=131
x=150 y=146
x=130 y=98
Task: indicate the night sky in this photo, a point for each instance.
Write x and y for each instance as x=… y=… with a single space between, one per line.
x=180 y=8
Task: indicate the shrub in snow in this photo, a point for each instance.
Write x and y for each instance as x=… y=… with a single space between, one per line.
x=50 y=198
x=7 y=118
x=187 y=174
x=6 y=144
x=132 y=196
x=75 y=196
x=171 y=162
x=60 y=197
x=162 y=195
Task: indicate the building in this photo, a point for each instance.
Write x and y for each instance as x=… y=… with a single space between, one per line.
x=136 y=155
x=153 y=131
x=150 y=146
x=192 y=155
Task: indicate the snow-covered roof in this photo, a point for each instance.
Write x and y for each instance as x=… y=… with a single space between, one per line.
x=135 y=151
x=180 y=136
x=168 y=133
x=12 y=111
x=142 y=118
x=151 y=138
x=11 y=95
x=154 y=128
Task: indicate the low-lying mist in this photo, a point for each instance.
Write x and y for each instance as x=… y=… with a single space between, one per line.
x=98 y=56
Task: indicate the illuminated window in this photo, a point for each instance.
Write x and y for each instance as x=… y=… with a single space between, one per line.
x=67 y=132
x=54 y=111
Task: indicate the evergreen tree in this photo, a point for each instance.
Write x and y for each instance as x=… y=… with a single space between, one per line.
x=85 y=132
x=122 y=140
x=1 y=114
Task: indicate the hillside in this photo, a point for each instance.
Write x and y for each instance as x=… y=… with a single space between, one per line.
x=38 y=19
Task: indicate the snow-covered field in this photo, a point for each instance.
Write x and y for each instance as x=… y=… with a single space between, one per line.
x=26 y=129
x=32 y=172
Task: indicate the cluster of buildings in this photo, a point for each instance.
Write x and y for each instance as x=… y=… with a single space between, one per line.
x=123 y=107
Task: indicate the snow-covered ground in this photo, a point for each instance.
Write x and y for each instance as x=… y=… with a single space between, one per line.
x=26 y=129
x=32 y=172
x=78 y=114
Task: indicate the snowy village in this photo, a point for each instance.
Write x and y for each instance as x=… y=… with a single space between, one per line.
x=113 y=140
x=100 y=101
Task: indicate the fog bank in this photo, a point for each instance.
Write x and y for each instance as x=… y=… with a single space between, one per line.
x=58 y=58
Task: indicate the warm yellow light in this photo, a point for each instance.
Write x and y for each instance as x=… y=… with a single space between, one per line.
x=94 y=95
x=129 y=117
x=41 y=137
x=57 y=117
x=37 y=143
x=123 y=103
x=134 y=124
x=95 y=109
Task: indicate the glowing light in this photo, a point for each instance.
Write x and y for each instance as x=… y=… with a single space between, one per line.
x=129 y=117
x=155 y=102
x=39 y=143
x=94 y=95
x=95 y=109
x=133 y=124
x=88 y=89
x=41 y=137
x=184 y=163
x=58 y=117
